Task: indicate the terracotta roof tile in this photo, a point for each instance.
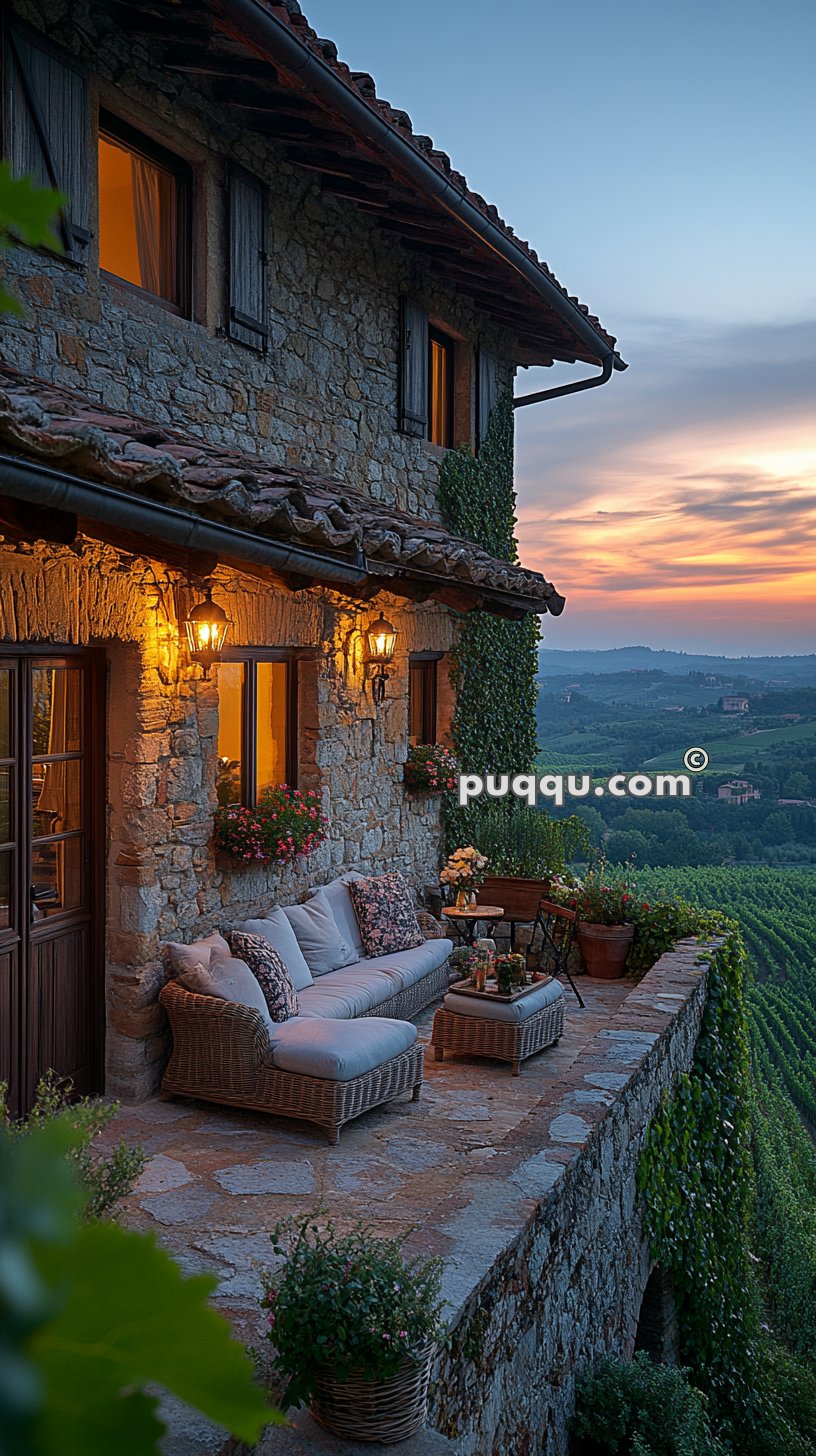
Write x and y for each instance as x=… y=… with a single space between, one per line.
x=55 y=426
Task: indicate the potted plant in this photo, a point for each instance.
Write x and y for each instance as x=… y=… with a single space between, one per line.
x=604 y=905
x=464 y=872
x=510 y=972
x=354 y=1328
x=430 y=768
x=283 y=824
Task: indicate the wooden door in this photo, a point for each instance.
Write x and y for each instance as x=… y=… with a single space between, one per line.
x=51 y=859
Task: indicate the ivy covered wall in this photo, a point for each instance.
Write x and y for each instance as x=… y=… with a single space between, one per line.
x=495 y=663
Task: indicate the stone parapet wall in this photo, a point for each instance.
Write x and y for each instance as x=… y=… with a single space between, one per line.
x=537 y=1309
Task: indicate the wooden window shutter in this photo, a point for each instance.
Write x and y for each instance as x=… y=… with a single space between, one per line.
x=248 y=225
x=46 y=127
x=487 y=392
x=413 y=384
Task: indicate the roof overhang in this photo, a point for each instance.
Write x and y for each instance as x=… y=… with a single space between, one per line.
x=264 y=63
x=72 y=467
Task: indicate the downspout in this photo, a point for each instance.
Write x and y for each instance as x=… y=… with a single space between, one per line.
x=273 y=39
x=560 y=389
x=41 y=485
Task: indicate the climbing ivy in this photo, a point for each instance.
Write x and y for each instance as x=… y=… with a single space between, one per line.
x=697 y=1194
x=494 y=664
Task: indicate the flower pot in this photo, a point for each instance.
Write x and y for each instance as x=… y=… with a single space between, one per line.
x=374 y=1410
x=605 y=948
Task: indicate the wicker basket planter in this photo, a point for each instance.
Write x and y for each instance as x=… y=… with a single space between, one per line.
x=375 y=1410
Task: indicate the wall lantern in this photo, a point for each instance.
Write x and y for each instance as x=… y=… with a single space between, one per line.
x=382 y=639
x=206 y=625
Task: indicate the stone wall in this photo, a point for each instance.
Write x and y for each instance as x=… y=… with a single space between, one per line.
x=164 y=880
x=325 y=395
x=537 y=1309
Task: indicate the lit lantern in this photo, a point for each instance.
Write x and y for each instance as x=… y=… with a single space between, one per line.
x=206 y=626
x=382 y=639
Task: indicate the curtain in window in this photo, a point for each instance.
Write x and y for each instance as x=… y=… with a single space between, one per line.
x=154 y=206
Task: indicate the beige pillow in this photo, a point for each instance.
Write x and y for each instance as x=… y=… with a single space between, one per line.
x=228 y=979
x=186 y=957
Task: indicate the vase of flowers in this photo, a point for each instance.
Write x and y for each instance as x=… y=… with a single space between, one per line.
x=283 y=824
x=463 y=873
x=354 y=1326
x=430 y=768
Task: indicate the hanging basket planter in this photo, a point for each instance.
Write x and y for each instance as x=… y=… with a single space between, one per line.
x=430 y=769
x=387 y=1411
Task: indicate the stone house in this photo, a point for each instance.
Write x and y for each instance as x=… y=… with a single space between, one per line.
x=275 y=309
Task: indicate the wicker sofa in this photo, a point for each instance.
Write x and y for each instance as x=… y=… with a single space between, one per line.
x=315 y=1066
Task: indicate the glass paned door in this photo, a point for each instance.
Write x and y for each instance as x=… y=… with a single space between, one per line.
x=50 y=858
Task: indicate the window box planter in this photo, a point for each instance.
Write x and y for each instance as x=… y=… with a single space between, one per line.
x=430 y=769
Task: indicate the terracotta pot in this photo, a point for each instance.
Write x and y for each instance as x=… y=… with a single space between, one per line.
x=605 y=948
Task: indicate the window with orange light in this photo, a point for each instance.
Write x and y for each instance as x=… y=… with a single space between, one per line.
x=440 y=388
x=257 y=724
x=144 y=197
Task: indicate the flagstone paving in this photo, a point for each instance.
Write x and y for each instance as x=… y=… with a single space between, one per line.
x=455 y=1168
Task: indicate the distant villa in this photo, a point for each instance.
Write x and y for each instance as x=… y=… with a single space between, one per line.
x=738 y=791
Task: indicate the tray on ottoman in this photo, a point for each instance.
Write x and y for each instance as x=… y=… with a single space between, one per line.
x=507 y=1028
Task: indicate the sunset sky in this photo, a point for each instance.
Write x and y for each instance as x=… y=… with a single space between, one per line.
x=661 y=158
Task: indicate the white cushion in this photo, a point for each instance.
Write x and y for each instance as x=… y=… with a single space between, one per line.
x=227 y=978
x=521 y=1010
x=406 y=967
x=187 y=957
x=346 y=993
x=342 y=908
x=341 y=1050
x=318 y=935
x=275 y=928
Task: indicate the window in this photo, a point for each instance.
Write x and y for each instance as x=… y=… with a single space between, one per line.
x=422 y=698
x=440 y=388
x=257 y=724
x=144 y=212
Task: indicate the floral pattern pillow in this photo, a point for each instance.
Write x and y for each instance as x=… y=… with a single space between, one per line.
x=269 y=971
x=384 y=907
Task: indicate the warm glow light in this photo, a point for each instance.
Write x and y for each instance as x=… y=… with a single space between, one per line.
x=206 y=627
x=382 y=639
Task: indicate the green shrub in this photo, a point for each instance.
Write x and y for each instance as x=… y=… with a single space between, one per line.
x=349 y=1301
x=517 y=840
x=104 y=1180
x=641 y=1409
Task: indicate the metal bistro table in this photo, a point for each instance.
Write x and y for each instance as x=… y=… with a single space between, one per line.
x=465 y=921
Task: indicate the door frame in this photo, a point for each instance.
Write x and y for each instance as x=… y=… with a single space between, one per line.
x=93 y=658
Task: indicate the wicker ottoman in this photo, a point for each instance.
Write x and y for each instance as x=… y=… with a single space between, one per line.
x=508 y=1031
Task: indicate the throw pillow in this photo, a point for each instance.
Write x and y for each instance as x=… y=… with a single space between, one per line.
x=318 y=936
x=186 y=957
x=385 y=910
x=269 y=971
x=275 y=928
x=228 y=979
x=340 y=904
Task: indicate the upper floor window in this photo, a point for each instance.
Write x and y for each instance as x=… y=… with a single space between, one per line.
x=144 y=214
x=422 y=672
x=440 y=388
x=257 y=724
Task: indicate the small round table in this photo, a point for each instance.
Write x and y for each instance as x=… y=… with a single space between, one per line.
x=469 y=918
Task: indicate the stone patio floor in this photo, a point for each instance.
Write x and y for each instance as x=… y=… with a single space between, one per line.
x=219 y=1178
x=461 y=1168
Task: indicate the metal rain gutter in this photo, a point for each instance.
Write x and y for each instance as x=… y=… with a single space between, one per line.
x=558 y=390
x=274 y=39
x=41 y=485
